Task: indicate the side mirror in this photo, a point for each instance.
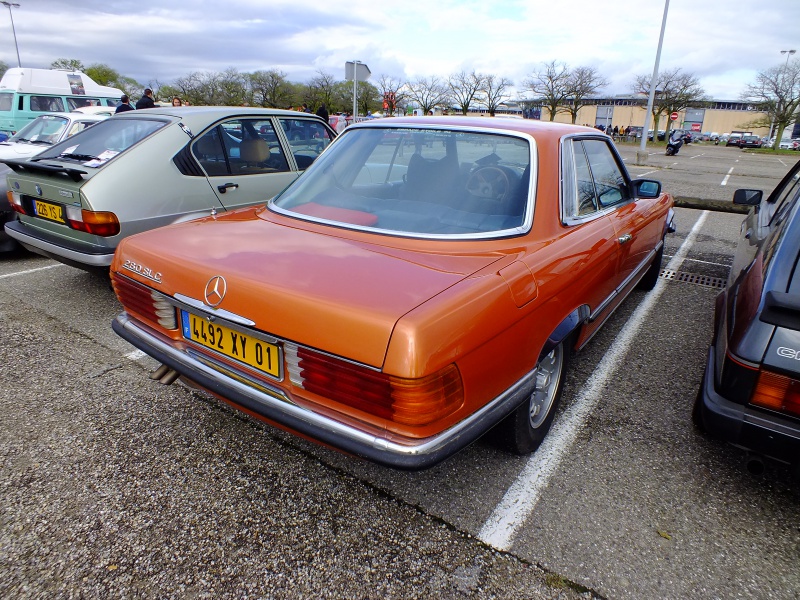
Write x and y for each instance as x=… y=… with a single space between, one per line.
x=646 y=188
x=748 y=197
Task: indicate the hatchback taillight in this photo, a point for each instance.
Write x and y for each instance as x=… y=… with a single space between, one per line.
x=100 y=223
x=15 y=200
x=777 y=392
x=411 y=402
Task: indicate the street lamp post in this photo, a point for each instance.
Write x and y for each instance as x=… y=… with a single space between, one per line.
x=788 y=54
x=8 y=5
x=641 y=155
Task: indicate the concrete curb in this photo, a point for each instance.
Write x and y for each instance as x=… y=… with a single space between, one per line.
x=717 y=205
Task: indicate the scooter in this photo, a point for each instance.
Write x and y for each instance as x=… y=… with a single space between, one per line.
x=674 y=145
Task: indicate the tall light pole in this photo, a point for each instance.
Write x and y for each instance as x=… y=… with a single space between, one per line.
x=14 y=31
x=641 y=155
x=788 y=54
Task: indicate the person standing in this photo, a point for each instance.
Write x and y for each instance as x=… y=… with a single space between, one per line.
x=322 y=112
x=124 y=105
x=146 y=101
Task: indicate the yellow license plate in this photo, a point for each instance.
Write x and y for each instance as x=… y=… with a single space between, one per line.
x=51 y=212
x=236 y=345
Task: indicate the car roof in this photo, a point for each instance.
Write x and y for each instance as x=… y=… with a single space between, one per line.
x=75 y=115
x=533 y=127
x=214 y=112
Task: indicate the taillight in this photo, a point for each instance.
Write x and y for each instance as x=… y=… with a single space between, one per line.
x=15 y=200
x=777 y=392
x=104 y=224
x=143 y=301
x=411 y=402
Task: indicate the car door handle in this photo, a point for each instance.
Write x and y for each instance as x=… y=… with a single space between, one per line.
x=226 y=186
x=625 y=238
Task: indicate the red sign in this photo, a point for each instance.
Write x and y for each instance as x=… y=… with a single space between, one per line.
x=696 y=126
x=674 y=116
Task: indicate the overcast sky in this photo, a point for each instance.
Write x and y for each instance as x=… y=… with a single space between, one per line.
x=723 y=42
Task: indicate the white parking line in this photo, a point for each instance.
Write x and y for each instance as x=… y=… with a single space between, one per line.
x=647 y=173
x=725 y=180
x=135 y=355
x=524 y=493
x=30 y=271
x=696 y=155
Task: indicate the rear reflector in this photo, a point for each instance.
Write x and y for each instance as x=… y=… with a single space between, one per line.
x=778 y=393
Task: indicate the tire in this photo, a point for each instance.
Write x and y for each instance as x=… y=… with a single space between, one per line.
x=670 y=151
x=648 y=282
x=524 y=430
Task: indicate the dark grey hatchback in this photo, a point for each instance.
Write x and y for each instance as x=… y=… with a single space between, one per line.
x=750 y=394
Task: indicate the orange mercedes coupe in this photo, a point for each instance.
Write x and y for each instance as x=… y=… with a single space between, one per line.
x=423 y=282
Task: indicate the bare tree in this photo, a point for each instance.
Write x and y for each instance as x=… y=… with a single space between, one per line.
x=390 y=85
x=465 y=88
x=777 y=92
x=321 y=90
x=494 y=91
x=552 y=85
x=428 y=92
x=271 y=89
x=675 y=91
x=582 y=84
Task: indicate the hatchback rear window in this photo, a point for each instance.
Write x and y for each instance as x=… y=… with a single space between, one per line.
x=95 y=146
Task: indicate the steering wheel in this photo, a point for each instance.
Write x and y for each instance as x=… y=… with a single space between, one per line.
x=489 y=182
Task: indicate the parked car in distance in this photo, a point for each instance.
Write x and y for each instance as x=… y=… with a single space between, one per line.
x=750 y=393
x=338 y=122
x=36 y=137
x=750 y=141
x=97 y=110
x=423 y=282
x=144 y=169
x=734 y=139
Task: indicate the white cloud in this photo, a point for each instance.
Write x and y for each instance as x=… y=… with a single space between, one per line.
x=723 y=42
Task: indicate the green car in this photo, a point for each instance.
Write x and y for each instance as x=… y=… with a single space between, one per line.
x=147 y=168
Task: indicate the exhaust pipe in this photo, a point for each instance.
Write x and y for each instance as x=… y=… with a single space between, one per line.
x=755 y=464
x=164 y=375
x=159 y=372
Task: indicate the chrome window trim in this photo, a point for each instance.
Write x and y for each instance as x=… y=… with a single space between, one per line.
x=514 y=231
x=569 y=187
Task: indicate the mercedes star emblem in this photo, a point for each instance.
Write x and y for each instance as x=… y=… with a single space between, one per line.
x=215 y=290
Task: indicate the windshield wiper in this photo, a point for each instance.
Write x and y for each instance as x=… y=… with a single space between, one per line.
x=78 y=156
x=45 y=142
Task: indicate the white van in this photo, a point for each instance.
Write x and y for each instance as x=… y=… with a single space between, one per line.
x=27 y=93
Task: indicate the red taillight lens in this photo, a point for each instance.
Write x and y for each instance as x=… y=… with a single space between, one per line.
x=777 y=392
x=15 y=201
x=411 y=402
x=100 y=223
x=144 y=302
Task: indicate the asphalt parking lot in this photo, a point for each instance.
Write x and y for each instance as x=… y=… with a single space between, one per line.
x=113 y=485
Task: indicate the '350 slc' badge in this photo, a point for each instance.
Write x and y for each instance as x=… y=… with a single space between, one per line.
x=142 y=270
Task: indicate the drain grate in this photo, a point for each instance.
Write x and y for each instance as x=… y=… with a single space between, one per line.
x=695 y=278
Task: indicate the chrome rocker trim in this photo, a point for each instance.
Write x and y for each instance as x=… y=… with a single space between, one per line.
x=273 y=404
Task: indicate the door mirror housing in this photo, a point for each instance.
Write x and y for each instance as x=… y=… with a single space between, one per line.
x=748 y=197
x=646 y=188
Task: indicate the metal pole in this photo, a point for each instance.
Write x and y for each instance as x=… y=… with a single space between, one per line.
x=641 y=155
x=355 y=90
x=13 y=30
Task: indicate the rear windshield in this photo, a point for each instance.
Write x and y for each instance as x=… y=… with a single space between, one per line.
x=95 y=146
x=418 y=182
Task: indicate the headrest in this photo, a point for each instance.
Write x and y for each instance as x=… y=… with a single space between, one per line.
x=254 y=150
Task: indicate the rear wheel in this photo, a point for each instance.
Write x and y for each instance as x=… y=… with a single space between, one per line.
x=670 y=150
x=648 y=282
x=524 y=430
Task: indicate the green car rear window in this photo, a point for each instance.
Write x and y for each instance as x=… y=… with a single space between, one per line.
x=95 y=146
